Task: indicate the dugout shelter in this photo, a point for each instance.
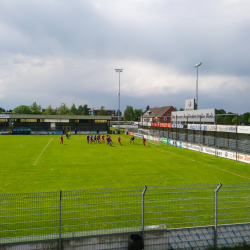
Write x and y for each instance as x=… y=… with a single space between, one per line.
x=55 y=123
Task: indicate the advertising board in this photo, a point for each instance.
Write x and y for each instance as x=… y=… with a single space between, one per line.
x=2 y=116
x=189 y=104
x=56 y=120
x=164 y=140
x=204 y=115
x=243 y=129
x=218 y=152
x=173 y=125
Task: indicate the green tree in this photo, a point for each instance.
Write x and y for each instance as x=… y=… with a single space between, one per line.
x=245 y=118
x=137 y=114
x=102 y=111
x=73 y=110
x=80 y=110
x=147 y=108
x=2 y=110
x=35 y=107
x=118 y=113
x=83 y=110
x=22 y=109
x=36 y=112
x=129 y=114
x=181 y=109
x=50 y=111
x=86 y=109
x=219 y=119
x=63 y=110
x=234 y=120
x=228 y=118
x=220 y=111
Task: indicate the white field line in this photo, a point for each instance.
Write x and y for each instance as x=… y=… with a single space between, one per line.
x=43 y=151
x=119 y=147
x=21 y=145
x=205 y=164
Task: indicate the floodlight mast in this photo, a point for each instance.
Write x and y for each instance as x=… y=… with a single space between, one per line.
x=196 y=66
x=119 y=71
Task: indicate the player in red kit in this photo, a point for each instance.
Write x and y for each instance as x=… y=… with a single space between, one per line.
x=119 y=140
x=144 y=141
x=61 y=137
x=103 y=138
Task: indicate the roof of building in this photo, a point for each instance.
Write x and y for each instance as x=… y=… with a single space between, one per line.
x=156 y=112
x=39 y=116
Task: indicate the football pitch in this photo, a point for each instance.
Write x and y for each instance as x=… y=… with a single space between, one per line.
x=39 y=163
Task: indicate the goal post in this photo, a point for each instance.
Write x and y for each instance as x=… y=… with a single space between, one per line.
x=152 y=138
x=143 y=133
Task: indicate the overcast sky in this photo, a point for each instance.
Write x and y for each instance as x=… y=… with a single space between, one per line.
x=65 y=51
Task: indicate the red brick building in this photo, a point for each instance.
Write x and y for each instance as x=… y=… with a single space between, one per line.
x=158 y=115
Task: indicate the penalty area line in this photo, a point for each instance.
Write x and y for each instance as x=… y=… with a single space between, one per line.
x=43 y=151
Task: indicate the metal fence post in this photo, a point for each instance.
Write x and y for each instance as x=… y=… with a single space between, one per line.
x=143 y=193
x=60 y=221
x=215 y=214
x=236 y=137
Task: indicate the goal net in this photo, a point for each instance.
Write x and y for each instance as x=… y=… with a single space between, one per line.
x=149 y=136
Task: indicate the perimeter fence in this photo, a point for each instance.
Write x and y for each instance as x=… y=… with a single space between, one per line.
x=232 y=145
x=68 y=214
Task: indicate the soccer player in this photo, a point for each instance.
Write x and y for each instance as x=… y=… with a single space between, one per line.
x=143 y=140
x=69 y=135
x=61 y=137
x=98 y=138
x=95 y=138
x=132 y=140
x=91 y=138
x=108 y=141
x=88 y=138
x=103 y=138
x=119 y=140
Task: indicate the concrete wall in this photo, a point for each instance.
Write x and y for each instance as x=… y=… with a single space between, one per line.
x=183 y=238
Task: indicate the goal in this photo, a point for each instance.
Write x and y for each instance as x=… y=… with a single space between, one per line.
x=148 y=134
x=143 y=133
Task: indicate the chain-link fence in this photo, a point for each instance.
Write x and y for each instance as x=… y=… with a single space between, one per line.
x=69 y=214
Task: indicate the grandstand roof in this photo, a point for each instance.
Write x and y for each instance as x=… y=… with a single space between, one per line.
x=39 y=116
x=156 y=112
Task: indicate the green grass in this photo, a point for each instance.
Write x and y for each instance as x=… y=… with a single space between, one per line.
x=78 y=165
x=40 y=163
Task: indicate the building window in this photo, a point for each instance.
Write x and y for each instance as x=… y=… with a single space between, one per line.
x=165 y=118
x=168 y=113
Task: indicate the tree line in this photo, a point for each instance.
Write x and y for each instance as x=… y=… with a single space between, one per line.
x=224 y=117
x=130 y=114
x=61 y=110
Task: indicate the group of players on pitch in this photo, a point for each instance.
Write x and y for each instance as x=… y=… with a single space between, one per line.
x=100 y=139
x=68 y=136
x=97 y=138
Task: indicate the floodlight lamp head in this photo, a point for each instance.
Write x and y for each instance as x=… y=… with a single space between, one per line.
x=118 y=70
x=198 y=64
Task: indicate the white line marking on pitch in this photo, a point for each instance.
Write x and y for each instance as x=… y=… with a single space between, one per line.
x=21 y=145
x=120 y=147
x=43 y=151
x=207 y=165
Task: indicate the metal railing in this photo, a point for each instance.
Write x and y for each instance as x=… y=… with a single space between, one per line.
x=210 y=141
x=67 y=214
